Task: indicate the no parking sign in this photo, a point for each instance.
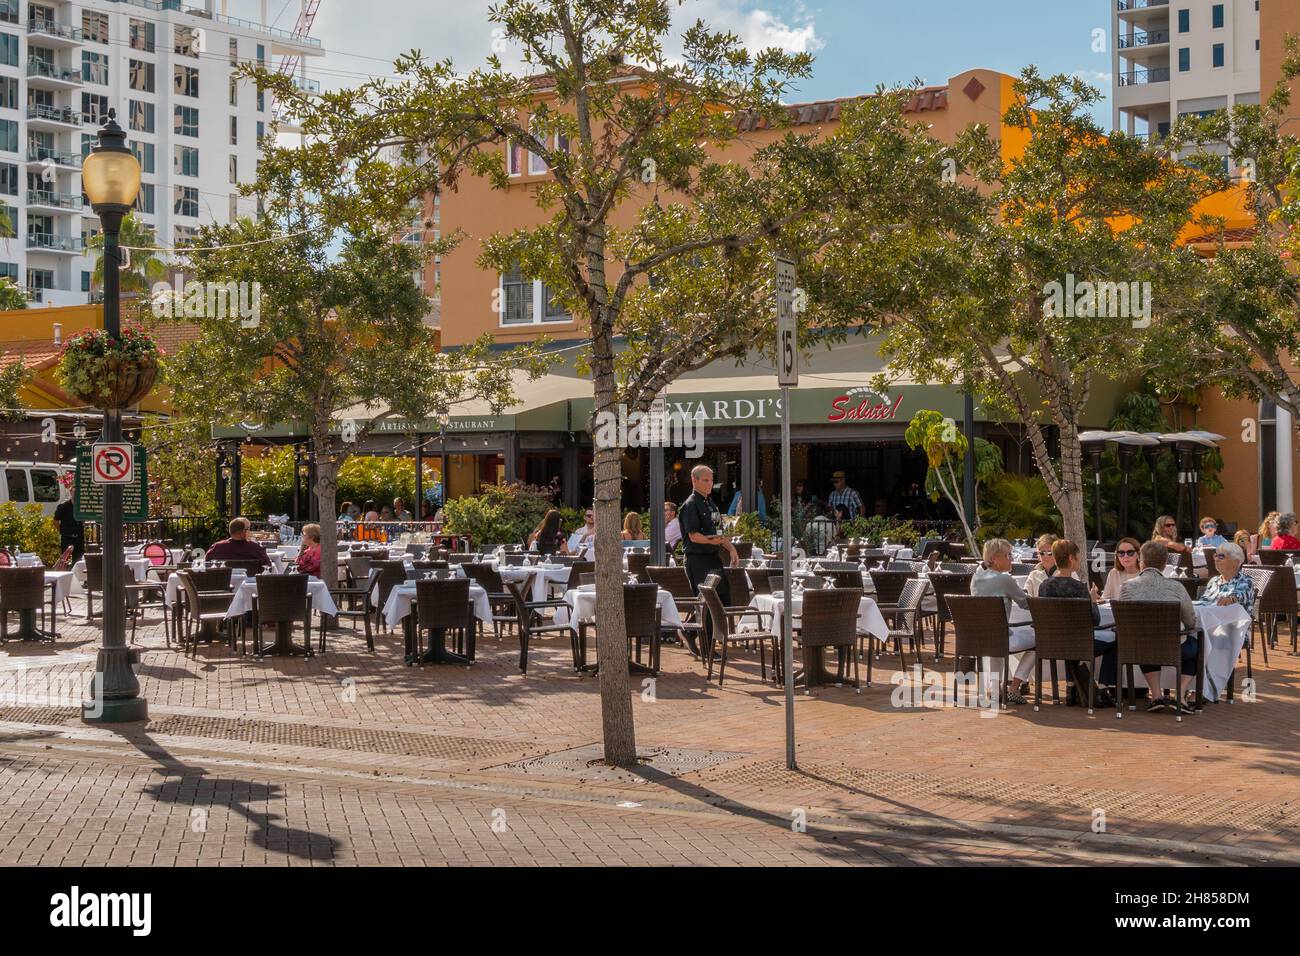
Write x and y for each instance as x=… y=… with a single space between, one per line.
x=112 y=463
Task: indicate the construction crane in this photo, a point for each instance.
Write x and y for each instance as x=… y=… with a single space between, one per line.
x=290 y=62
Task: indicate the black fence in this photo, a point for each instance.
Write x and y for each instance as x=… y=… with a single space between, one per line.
x=189 y=532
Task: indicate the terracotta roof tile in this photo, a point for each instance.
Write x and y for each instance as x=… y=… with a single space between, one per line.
x=32 y=354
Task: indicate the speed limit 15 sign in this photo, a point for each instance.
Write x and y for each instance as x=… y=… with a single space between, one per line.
x=787 y=324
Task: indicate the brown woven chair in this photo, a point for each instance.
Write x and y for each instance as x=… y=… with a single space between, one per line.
x=205 y=598
x=1211 y=563
x=738 y=581
x=690 y=606
x=1063 y=631
x=462 y=557
x=1263 y=578
x=724 y=631
x=980 y=630
x=282 y=600
x=637 y=564
x=889 y=586
x=644 y=620
x=444 y=606
x=760 y=579
x=250 y=566
x=430 y=565
x=830 y=619
x=355 y=601
x=387 y=575
x=1271 y=559
x=744 y=549
x=502 y=604
x=529 y=622
x=1150 y=633
x=1275 y=602
x=905 y=624
x=944 y=583
x=515 y=559
x=844 y=579
x=94 y=582
x=22 y=590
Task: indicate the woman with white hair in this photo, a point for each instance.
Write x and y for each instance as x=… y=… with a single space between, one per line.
x=1285 y=539
x=1230 y=585
x=995 y=580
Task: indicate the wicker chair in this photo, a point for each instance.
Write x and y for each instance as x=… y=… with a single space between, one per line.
x=1271 y=559
x=905 y=623
x=360 y=603
x=744 y=549
x=387 y=575
x=724 y=624
x=94 y=582
x=207 y=597
x=889 y=586
x=844 y=579
x=1063 y=631
x=1151 y=633
x=22 y=590
x=944 y=583
x=980 y=630
x=281 y=599
x=637 y=564
x=830 y=619
x=514 y=559
x=691 y=607
x=738 y=583
x=250 y=566
x=444 y=606
x=760 y=579
x=1276 y=601
x=644 y=620
x=431 y=564
x=528 y=621
x=499 y=598
x=1263 y=578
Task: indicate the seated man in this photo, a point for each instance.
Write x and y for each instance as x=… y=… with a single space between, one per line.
x=995 y=580
x=237 y=547
x=1152 y=585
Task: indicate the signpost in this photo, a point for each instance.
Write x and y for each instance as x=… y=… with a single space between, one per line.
x=787 y=374
x=656 y=433
x=109 y=464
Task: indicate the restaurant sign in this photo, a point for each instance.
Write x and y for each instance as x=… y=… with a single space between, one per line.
x=864 y=405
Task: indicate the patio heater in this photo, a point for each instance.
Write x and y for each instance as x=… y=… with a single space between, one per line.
x=1153 y=456
x=1094 y=443
x=1128 y=446
x=1190 y=447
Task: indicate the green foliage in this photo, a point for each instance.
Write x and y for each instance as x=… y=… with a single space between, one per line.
x=571 y=519
x=501 y=514
x=11 y=296
x=92 y=361
x=182 y=465
x=268 y=481
x=146 y=266
x=12 y=377
x=29 y=530
x=1018 y=507
x=749 y=526
x=877 y=528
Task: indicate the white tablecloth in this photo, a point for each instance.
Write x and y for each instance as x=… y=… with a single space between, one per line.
x=870 y=620
x=402 y=598
x=173 y=586
x=544 y=575
x=316 y=590
x=1227 y=628
x=62 y=583
x=139 y=567
x=583 y=603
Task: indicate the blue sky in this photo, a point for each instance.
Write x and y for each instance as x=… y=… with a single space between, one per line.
x=858 y=43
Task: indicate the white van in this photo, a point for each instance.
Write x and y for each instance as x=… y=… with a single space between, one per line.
x=26 y=482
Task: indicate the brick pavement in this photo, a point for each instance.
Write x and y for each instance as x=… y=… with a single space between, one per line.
x=397 y=765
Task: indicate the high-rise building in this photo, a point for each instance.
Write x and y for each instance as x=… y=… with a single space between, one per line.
x=168 y=70
x=1174 y=58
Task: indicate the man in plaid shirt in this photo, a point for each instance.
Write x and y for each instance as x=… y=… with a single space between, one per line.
x=842 y=496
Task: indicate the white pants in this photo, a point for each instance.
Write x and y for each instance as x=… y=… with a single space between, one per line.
x=1022 y=655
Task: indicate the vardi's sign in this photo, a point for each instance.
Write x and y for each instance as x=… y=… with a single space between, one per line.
x=864 y=405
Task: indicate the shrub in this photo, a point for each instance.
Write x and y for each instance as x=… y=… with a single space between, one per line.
x=749 y=527
x=1018 y=507
x=29 y=530
x=878 y=527
x=500 y=514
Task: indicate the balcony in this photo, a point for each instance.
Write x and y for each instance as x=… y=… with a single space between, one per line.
x=61 y=245
x=40 y=116
x=55 y=34
x=1142 y=77
x=48 y=76
x=1139 y=41
x=45 y=200
x=39 y=154
x=1125 y=5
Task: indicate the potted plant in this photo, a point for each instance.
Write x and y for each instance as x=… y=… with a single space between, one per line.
x=106 y=372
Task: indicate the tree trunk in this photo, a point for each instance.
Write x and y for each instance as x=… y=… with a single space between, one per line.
x=1071 y=500
x=326 y=491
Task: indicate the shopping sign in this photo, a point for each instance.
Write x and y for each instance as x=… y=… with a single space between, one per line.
x=787 y=342
x=108 y=463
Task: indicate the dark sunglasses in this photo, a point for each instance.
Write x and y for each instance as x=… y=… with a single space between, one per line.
x=1125 y=554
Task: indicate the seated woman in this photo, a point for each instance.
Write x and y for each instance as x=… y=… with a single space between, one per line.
x=1166 y=532
x=1263 y=538
x=547 y=537
x=994 y=580
x=309 y=557
x=1230 y=585
x=632 y=527
x=1046 y=564
x=1286 y=539
x=1063 y=584
x=1125 y=569
x=1245 y=541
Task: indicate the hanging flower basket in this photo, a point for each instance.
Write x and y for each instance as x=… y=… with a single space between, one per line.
x=105 y=372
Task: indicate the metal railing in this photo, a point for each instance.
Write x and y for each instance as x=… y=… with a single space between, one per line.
x=1139 y=77
x=45 y=240
x=52 y=72
x=1150 y=38
x=44 y=197
x=1123 y=5
x=49 y=28
x=37 y=154
x=59 y=114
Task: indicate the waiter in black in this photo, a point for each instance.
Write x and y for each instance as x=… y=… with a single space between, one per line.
x=701 y=542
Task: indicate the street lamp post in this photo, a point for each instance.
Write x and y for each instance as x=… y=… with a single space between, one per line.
x=111 y=179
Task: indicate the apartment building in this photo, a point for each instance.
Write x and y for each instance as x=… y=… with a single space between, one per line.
x=1174 y=58
x=168 y=71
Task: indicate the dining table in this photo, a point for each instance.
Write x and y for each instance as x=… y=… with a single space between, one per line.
x=400 y=608
x=317 y=593
x=814 y=673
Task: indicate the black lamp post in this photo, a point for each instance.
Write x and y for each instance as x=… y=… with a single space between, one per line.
x=111 y=179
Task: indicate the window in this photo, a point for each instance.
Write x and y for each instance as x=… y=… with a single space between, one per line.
x=234 y=51
x=94 y=26
x=94 y=106
x=185 y=80
x=234 y=91
x=187 y=201
x=234 y=169
x=261 y=54
x=143 y=155
x=527 y=301
x=185 y=41
x=94 y=67
x=9 y=135
x=8 y=179
x=8 y=49
x=16 y=480
x=514 y=158
x=261 y=131
x=234 y=206
x=144 y=200
x=1217 y=54
x=9 y=13
x=234 y=131
x=9 y=269
x=1184 y=59
x=85 y=281
x=45 y=484
x=185 y=121
x=142 y=75
x=142 y=116
x=88 y=141
x=261 y=101
x=1216 y=16
x=142 y=35
x=8 y=92
x=1184 y=21
x=183 y=235
x=185 y=161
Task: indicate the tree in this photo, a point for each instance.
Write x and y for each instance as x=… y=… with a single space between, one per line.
x=13 y=376
x=642 y=132
x=11 y=296
x=1048 y=283
x=945 y=451
x=338 y=330
x=182 y=464
x=146 y=266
